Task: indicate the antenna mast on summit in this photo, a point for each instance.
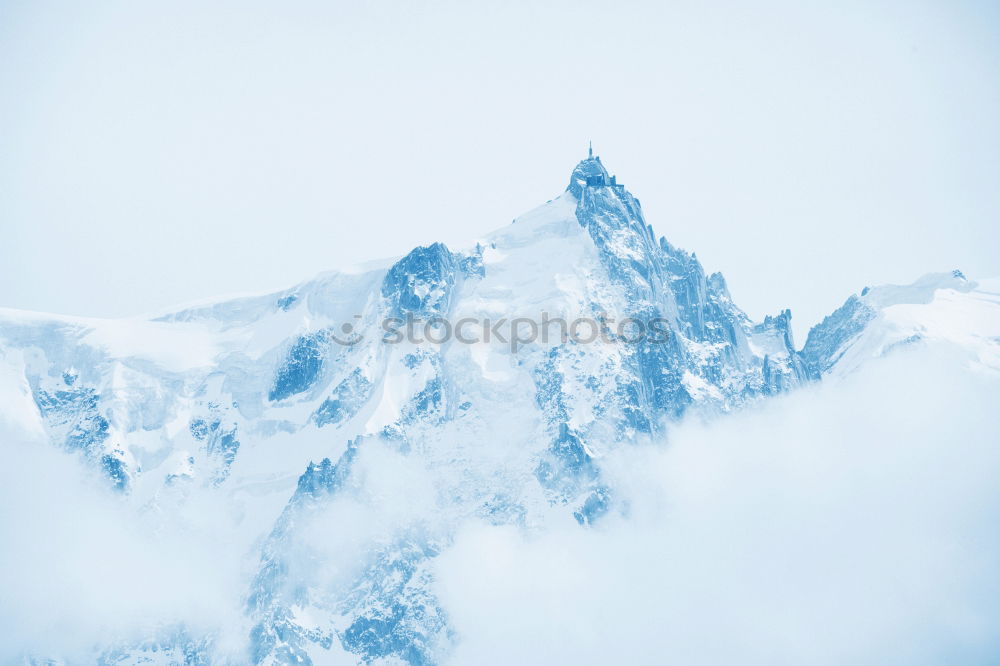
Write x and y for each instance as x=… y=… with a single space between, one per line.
x=590 y=150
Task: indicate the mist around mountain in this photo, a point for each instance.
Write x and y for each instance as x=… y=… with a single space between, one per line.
x=267 y=480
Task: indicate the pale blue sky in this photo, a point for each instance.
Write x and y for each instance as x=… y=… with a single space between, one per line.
x=153 y=153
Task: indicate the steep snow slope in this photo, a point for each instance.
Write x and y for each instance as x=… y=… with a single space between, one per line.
x=282 y=408
x=939 y=308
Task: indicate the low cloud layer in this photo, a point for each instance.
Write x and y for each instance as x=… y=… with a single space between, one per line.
x=847 y=523
x=850 y=522
x=81 y=570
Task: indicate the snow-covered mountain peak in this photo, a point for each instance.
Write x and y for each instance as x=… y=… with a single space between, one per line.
x=277 y=403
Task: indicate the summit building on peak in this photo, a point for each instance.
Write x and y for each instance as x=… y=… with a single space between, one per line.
x=591 y=173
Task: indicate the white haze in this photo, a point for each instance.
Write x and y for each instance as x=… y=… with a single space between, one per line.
x=845 y=524
x=80 y=569
x=850 y=522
